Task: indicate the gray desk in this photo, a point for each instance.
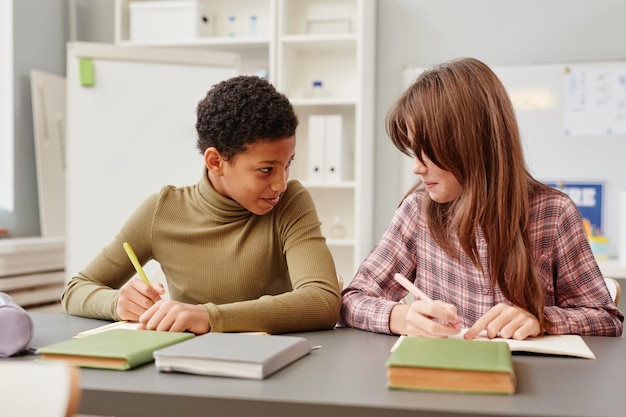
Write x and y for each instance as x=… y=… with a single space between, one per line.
x=346 y=377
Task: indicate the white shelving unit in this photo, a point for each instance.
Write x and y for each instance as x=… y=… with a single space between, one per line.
x=333 y=42
x=298 y=42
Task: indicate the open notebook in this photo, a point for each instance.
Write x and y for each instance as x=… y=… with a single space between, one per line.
x=110 y=326
x=127 y=325
x=566 y=344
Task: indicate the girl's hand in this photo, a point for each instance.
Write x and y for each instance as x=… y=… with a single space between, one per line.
x=422 y=318
x=174 y=316
x=506 y=321
x=136 y=297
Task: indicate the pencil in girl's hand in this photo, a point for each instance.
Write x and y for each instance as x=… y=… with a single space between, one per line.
x=410 y=287
x=419 y=294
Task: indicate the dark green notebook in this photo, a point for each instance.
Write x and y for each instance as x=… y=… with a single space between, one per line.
x=453 y=365
x=120 y=349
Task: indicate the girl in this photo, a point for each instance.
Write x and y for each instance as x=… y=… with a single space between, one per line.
x=497 y=249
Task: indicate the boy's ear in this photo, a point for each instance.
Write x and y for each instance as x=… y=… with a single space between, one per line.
x=214 y=161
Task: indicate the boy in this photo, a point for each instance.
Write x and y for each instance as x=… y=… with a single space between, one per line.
x=241 y=250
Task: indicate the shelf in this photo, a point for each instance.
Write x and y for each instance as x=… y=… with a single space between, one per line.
x=336 y=68
x=323 y=102
x=329 y=185
x=233 y=44
x=324 y=41
x=163 y=20
x=164 y=27
x=300 y=17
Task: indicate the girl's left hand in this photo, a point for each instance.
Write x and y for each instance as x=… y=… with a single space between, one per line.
x=506 y=321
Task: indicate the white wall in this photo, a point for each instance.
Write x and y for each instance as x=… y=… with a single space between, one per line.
x=425 y=32
x=92 y=20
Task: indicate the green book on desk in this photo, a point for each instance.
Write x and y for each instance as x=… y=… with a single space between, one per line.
x=451 y=365
x=119 y=349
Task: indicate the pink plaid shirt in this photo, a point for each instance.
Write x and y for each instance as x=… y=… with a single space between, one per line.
x=577 y=299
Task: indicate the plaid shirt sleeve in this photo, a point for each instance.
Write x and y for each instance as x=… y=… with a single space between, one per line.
x=577 y=299
x=368 y=300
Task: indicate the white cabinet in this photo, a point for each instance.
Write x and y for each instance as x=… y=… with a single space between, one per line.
x=320 y=53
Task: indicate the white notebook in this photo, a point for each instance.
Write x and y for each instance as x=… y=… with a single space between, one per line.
x=565 y=344
x=236 y=355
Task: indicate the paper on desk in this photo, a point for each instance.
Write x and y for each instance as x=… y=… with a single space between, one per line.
x=116 y=325
x=565 y=344
x=130 y=326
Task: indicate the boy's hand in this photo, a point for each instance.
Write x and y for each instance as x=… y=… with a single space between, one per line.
x=136 y=297
x=174 y=316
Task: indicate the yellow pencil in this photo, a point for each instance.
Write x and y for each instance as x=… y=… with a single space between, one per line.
x=133 y=258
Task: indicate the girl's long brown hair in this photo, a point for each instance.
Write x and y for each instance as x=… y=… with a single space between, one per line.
x=459 y=116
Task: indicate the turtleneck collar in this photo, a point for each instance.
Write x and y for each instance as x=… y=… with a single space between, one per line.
x=220 y=207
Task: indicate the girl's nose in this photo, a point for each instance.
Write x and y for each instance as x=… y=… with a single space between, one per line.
x=418 y=167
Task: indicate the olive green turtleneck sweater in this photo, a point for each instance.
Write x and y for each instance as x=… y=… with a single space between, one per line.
x=271 y=273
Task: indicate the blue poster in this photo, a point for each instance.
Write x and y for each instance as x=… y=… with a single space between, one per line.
x=588 y=197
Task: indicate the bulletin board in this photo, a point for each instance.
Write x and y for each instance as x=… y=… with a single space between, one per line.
x=131 y=115
x=572 y=119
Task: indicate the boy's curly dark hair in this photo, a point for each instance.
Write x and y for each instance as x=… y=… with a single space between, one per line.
x=240 y=111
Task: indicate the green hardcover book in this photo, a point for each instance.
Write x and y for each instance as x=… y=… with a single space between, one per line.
x=451 y=365
x=119 y=349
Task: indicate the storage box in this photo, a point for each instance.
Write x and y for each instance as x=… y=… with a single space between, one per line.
x=329 y=18
x=165 y=21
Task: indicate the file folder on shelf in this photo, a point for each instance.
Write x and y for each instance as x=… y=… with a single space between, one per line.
x=329 y=154
x=316 y=154
x=337 y=150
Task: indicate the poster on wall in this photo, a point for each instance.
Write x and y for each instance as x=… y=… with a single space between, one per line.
x=588 y=197
x=595 y=100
